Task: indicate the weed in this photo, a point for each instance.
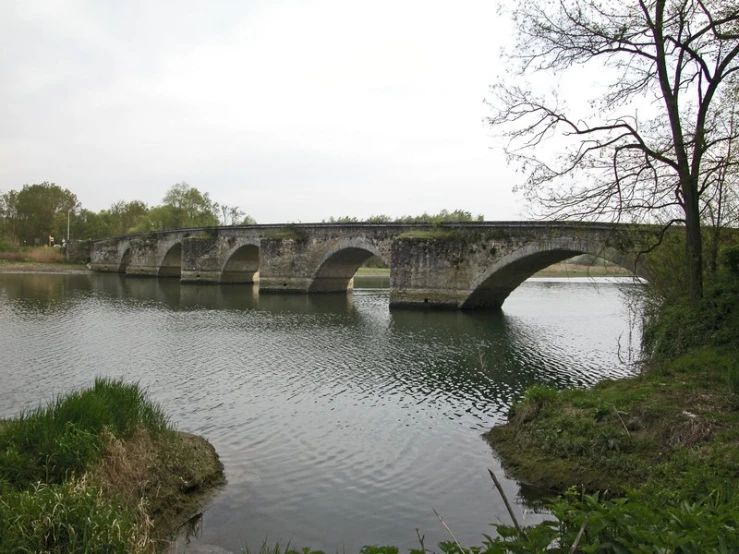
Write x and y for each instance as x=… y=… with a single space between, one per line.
x=72 y=517
x=732 y=377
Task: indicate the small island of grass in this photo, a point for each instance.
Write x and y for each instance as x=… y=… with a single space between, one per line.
x=99 y=470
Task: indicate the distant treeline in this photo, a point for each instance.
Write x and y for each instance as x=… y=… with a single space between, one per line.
x=40 y=211
x=444 y=216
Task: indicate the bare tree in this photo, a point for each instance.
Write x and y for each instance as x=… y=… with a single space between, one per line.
x=653 y=141
x=230 y=215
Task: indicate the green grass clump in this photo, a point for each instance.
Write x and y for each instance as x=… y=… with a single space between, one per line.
x=435 y=233
x=48 y=501
x=72 y=517
x=66 y=438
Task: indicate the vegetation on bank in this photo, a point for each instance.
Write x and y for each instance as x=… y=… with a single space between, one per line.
x=647 y=464
x=38 y=254
x=99 y=470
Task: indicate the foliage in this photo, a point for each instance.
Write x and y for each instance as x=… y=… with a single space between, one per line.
x=123 y=216
x=98 y=471
x=444 y=216
x=730 y=260
x=7 y=245
x=677 y=61
x=37 y=211
x=64 y=439
x=72 y=517
x=644 y=520
x=678 y=326
x=184 y=206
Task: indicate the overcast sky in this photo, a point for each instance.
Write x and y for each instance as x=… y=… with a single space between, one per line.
x=294 y=110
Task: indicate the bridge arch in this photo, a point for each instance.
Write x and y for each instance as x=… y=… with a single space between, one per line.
x=242 y=264
x=125 y=257
x=171 y=263
x=490 y=290
x=337 y=268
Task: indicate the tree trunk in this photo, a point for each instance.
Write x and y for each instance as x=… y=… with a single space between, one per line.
x=693 y=242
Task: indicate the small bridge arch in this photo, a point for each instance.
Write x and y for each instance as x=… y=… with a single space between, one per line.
x=490 y=289
x=242 y=264
x=126 y=255
x=336 y=271
x=171 y=262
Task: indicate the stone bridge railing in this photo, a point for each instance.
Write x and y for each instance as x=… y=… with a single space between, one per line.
x=461 y=265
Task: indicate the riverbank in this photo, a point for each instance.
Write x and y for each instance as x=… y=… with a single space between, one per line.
x=100 y=470
x=556 y=270
x=42 y=267
x=621 y=434
x=648 y=460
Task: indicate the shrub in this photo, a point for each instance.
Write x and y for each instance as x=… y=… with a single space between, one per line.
x=6 y=245
x=730 y=260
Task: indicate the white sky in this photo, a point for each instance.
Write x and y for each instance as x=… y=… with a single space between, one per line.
x=293 y=110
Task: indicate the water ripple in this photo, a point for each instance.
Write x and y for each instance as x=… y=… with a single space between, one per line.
x=339 y=422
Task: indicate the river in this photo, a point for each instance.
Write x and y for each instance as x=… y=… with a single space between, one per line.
x=339 y=422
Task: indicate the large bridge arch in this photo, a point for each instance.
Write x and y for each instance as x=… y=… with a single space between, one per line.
x=171 y=262
x=336 y=271
x=242 y=264
x=490 y=289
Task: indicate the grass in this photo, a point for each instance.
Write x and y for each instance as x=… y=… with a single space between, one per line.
x=373 y=272
x=435 y=233
x=35 y=267
x=622 y=434
x=37 y=254
x=556 y=270
x=99 y=470
x=580 y=270
x=64 y=439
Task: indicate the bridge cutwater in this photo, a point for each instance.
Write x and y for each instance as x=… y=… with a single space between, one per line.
x=453 y=265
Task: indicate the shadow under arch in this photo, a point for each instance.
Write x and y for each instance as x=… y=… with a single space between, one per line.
x=336 y=271
x=242 y=265
x=125 y=259
x=171 y=264
x=491 y=289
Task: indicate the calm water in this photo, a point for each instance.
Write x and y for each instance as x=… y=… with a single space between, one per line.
x=339 y=422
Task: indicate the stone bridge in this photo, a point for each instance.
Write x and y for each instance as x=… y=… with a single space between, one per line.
x=458 y=266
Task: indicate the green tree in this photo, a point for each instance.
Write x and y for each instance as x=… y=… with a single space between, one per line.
x=444 y=216
x=185 y=206
x=86 y=224
x=672 y=60
x=38 y=211
x=126 y=216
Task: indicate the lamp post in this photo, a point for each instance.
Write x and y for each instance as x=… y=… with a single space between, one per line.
x=69 y=213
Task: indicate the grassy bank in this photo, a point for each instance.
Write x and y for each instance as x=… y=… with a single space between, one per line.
x=555 y=270
x=681 y=415
x=99 y=470
x=40 y=259
x=649 y=463
x=41 y=267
